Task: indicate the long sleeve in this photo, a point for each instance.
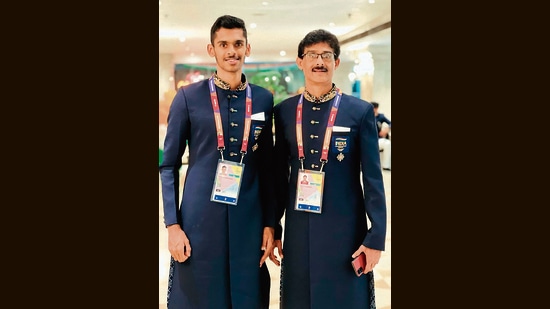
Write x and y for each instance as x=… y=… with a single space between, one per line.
x=174 y=147
x=373 y=184
x=267 y=189
x=281 y=175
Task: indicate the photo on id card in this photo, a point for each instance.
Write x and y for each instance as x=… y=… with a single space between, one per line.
x=309 y=191
x=227 y=182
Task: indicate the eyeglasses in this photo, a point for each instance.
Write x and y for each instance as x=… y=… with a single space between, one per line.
x=326 y=56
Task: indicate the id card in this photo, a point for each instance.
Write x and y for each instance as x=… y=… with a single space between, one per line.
x=227 y=182
x=309 y=191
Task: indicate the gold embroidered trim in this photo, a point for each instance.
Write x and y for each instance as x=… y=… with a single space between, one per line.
x=323 y=98
x=225 y=86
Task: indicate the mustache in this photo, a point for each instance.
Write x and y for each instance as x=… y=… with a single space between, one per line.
x=319 y=68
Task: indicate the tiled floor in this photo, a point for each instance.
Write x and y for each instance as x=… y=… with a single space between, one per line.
x=382 y=272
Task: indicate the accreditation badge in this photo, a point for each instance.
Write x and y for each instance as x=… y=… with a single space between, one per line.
x=227 y=182
x=309 y=191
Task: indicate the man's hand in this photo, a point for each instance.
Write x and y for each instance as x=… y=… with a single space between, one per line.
x=178 y=243
x=279 y=245
x=372 y=257
x=384 y=132
x=267 y=243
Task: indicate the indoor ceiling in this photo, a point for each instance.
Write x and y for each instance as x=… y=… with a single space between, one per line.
x=273 y=26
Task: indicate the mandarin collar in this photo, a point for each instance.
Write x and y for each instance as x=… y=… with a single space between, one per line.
x=225 y=86
x=322 y=98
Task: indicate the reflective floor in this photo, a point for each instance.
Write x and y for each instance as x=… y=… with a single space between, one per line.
x=382 y=272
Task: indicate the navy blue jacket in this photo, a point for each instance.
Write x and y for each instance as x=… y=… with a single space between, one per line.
x=316 y=269
x=223 y=270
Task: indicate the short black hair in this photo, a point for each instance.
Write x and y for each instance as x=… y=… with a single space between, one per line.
x=319 y=36
x=375 y=104
x=227 y=22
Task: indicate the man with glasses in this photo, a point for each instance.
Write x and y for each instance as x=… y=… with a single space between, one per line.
x=331 y=137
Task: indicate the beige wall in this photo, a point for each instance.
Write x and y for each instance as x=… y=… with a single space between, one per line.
x=381 y=91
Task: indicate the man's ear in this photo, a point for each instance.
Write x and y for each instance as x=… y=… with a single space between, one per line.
x=210 y=50
x=247 y=53
x=299 y=62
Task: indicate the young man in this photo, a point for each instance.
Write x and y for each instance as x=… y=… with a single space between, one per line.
x=332 y=137
x=220 y=241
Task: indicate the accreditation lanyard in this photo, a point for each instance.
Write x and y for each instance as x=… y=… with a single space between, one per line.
x=328 y=131
x=218 y=118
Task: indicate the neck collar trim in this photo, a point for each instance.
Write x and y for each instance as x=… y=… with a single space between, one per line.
x=322 y=98
x=225 y=86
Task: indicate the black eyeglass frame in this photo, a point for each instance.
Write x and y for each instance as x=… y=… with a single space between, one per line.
x=321 y=54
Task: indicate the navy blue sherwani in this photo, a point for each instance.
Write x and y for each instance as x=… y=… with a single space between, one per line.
x=223 y=271
x=316 y=269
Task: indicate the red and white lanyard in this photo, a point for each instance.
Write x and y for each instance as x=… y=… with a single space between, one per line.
x=328 y=131
x=218 y=118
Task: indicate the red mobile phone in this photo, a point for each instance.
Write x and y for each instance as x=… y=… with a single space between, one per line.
x=358 y=264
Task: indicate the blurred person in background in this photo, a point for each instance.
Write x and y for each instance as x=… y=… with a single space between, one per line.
x=219 y=241
x=384 y=142
x=331 y=137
